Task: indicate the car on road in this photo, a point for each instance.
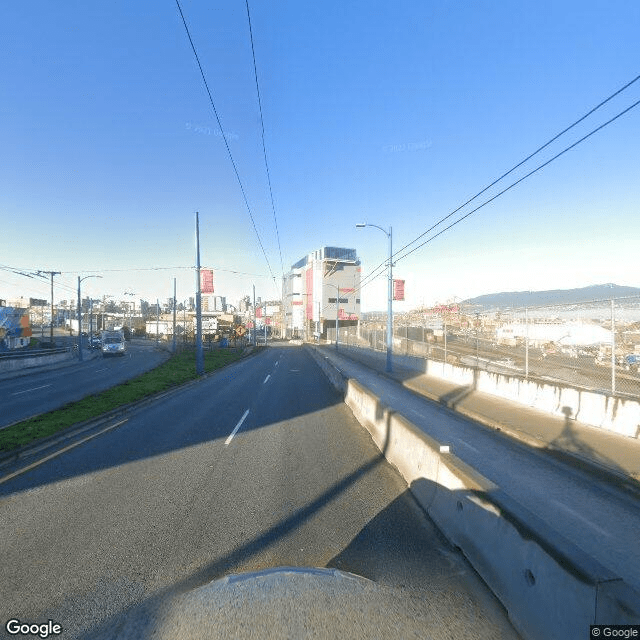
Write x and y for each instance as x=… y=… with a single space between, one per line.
x=95 y=342
x=113 y=343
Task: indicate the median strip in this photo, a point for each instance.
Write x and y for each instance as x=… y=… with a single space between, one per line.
x=179 y=369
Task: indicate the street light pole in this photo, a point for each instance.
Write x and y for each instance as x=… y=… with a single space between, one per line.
x=389 y=234
x=80 y=316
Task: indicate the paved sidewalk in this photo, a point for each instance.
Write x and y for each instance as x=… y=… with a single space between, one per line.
x=563 y=437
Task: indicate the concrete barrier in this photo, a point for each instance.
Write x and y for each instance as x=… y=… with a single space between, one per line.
x=551 y=589
x=621 y=416
x=11 y=364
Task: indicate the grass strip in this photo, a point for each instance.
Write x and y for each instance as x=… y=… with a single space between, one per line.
x=180 y=368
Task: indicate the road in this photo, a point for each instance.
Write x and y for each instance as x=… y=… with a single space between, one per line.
x=260 y=465
x=601 y=519
x=28 y=395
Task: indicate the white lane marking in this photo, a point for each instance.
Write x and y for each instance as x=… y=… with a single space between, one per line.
x=294 y=370
x=277 y=361
x=466 y=444
x=265 y=380
x=17 y=393
x=99 y=370
x=233 y=433
x=416 y=413
x=580 y=517
x=60 y=451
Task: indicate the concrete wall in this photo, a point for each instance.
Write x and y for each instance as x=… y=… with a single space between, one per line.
x=619 y=415
x=15 y=364
x=551 y=589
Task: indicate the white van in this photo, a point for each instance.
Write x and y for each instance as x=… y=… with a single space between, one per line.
x=113 y=343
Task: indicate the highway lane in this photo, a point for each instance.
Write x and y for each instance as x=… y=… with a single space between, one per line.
x=42 y=391
x=596 y=516
x=260 y=465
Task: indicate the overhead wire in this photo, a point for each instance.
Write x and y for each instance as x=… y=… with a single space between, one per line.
x=397 y=258
x=538 y=168
x=504 y=175
x=224 y=137
x=264 y=148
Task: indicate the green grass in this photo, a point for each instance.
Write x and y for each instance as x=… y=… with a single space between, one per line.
x=178 y=369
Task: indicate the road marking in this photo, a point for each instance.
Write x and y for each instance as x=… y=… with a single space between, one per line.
x=99 y=370
x=37 y=463
x=17 y=393
x=265 y=380
x=580 y=517
x=466 y=444
x=233 y=433
x=416 y=413
x=294 y=370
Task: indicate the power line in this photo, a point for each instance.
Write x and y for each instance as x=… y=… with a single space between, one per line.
x=486 y=202
x=224 y=137
x=264 y=148
x=538 y=168
x=519 y=164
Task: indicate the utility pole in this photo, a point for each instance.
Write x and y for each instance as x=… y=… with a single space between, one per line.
x=51 y=273
x=613 y=350
x=174 y=315
x=255 y=329
x=199 y=349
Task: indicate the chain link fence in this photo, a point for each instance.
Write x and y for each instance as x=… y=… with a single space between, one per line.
x=590 y=345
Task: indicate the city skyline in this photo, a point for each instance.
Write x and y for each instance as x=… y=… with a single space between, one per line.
x=393 y=116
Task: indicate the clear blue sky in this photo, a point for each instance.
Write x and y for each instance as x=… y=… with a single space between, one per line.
x=392 y=113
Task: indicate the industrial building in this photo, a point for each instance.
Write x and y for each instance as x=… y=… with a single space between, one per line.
x=322 y=285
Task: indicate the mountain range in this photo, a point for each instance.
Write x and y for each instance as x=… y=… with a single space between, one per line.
x=520 y=299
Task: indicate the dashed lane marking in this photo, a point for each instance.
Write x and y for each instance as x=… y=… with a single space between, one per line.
x=233 y=433
x=17 y=393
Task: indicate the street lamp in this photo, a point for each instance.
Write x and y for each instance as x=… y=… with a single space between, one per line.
x=80 y=316
x=389 y=234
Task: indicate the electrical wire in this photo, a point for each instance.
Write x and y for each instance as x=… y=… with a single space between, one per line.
x=224 y=137
x=513 y=184
x=264 y=148
x=500 y=193
x=504 y=175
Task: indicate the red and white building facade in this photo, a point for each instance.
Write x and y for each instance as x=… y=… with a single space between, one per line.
x=322 y=283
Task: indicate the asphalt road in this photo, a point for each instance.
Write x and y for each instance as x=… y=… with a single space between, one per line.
x=599 y=518
x=260 y=465
x=27 y=395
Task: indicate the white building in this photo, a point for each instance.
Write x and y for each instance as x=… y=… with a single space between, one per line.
x=564 y=334
x=324 y=283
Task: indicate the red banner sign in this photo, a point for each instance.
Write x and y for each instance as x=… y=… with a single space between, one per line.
x=398 y=289
x=206 y=281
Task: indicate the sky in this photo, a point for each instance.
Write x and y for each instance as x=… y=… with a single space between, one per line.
x=391 y=113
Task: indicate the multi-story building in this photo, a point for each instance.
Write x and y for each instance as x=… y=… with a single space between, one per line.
x=324 y=283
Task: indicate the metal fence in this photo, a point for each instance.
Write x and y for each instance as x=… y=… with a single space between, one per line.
x=593 y=345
